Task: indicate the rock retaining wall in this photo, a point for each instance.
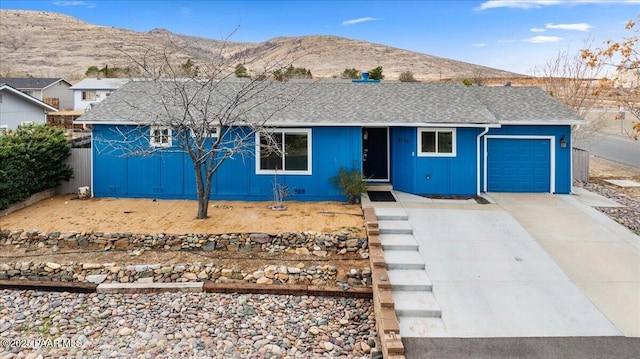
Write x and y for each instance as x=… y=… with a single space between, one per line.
x=193 y=272
x=301 y=243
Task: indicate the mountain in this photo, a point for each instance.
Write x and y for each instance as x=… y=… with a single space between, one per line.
x=46 y=44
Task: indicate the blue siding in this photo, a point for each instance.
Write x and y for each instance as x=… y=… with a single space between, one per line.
x=446 y=176
x=170 y=174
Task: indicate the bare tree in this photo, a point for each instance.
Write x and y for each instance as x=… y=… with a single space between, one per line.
x=569 y=78
x=208 y=114
x=624 y=84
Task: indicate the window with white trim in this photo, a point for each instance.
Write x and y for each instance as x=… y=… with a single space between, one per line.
x=160 y=136
x=3 y=129
x=287 y=151
x=437 y=142
x=211 y=132
x=89 y=95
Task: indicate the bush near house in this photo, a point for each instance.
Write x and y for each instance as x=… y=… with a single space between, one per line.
x=32 y=160
x=351 y=183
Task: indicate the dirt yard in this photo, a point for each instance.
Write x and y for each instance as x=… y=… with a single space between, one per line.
x=63 y=213
x=601 y=169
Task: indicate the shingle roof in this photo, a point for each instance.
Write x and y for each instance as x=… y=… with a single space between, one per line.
x=25 y=97
x=344 y=103
x=524 y=104
x=30 y=83
x=100 y=84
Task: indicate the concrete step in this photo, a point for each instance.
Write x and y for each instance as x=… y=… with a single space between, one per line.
x=421 y=327
x=409 y=280
x=403 y=260
x=391 y=214
x=394 y=227
x=416 y=304
x=379 y=187
x=399 y=242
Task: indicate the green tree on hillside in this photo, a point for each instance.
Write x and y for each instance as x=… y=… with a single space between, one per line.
x=350 y=74
x=376 y=73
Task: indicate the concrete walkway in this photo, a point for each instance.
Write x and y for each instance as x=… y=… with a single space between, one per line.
x=492 y=275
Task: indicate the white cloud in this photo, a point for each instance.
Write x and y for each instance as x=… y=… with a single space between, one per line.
x=543 y=39
x=359 y=20
x=537 y=29
x=575 y=27
x=506 y=41
x=70 y=3
x=481 y=44
x=536 y=4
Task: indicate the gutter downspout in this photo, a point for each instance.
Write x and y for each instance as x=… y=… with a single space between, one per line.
x=484 y=132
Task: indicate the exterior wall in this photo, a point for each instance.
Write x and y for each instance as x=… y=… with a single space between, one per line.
x=82 y=105
x=445 y=176
x=15 y=110
x=60 y=90
x=562 y=165
x=170 y=174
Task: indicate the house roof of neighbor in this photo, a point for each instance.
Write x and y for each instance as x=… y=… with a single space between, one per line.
x=100 y=84
x=31 y=83
x=9 y=89
x=333 y=103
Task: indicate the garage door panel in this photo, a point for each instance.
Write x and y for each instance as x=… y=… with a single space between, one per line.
x=518 y=165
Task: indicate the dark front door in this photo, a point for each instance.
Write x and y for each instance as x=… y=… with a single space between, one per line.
x=375 y=153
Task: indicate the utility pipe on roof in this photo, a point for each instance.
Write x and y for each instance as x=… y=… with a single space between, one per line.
x=478 y=174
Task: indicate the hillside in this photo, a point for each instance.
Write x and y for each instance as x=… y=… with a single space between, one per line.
x=45 y=44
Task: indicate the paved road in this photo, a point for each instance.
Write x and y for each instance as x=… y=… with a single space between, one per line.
x=615 y=148
x=526 y=348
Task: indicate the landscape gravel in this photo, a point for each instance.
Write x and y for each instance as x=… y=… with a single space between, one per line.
x=628 y=216
x=184 y=325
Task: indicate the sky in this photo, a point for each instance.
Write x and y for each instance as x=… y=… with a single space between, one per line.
x=513 y=35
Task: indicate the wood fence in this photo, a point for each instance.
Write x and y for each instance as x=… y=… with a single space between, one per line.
x=580 y=161
x=80 y=161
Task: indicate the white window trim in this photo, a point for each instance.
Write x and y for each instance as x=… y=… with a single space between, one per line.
x=213 y=133
x=454 y=141
x=152 y=140
x=4 y=129
x=306 y=131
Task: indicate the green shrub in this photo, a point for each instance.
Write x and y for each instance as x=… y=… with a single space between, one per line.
x=467 y=82
x=351 y=183
x=31 y=160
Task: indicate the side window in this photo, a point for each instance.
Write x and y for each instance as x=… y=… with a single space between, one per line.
x=88 y=95
x=160 y=136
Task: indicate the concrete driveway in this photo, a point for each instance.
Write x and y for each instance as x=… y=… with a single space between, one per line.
x=528 y=265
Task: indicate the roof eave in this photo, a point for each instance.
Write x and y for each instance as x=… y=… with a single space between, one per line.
x=544 y=123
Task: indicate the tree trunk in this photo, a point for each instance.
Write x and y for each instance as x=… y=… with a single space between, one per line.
x=203 y=191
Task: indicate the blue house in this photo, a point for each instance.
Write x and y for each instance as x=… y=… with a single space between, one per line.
x=422 y=138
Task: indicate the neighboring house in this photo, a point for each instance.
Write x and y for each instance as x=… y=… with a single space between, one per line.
x=18 y=108
x=89 y=92
x=427 y=139
x=54 y=91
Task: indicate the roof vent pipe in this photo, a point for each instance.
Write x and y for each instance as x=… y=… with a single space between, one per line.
x=365 y=78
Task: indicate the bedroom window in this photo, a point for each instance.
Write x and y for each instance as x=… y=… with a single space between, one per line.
x=287 y=151
x=160 y=136
x=437 y=142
